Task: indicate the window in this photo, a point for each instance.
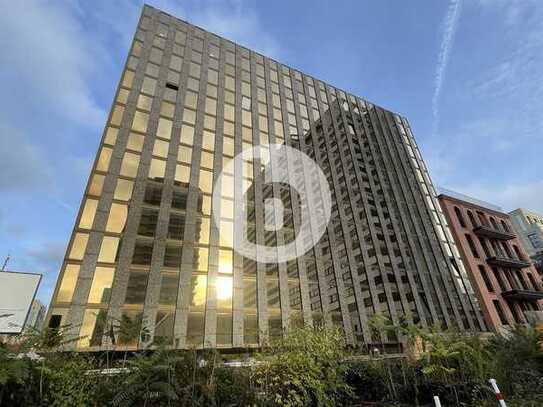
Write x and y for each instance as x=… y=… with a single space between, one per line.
x=472 y=246
x=117 y=218
x=137 y=287
x=103 y=159
x=143 y=252
x=148 y=222
x=169 y=287
x=187 y=134
x=100 y=291
x=160 y=148
x=172 y=256
x=129 y=165
x=459 y=216
x=224 y=292
x=96 y=185
x=500 y=313
x=164 y=129
x=87 y=216
x=182 y=173
x=157 y=170
x=78 y=246
x=176 y=226
x=135 y=142
x=472 y=219
x=108 y=250
x=153 y=194
x=198 y=293
x=67 y=286
x=92 y=328
x=498 y=278
x=485 y=278
x=140 y=122
x=200 y=259
x=123 y=190
x=179 y=200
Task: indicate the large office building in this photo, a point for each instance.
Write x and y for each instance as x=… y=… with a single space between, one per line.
x=146 y=250
x=507 y=284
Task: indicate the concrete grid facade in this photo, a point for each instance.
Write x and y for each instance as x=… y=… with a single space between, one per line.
x=146 y=251
x=529 y=227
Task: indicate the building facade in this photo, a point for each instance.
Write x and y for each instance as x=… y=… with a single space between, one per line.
x=145 y=249
x=36 y=316
x=507 y=284
x=529 y=227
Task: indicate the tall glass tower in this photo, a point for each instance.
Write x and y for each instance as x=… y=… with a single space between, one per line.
x=146 y=253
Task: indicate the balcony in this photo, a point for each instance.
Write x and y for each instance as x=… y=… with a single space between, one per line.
x=507 y=262
x=493 y=233
x=523 y=295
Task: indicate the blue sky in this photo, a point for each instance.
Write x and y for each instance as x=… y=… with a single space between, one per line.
x=468 y=75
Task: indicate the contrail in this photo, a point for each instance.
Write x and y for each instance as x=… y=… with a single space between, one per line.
x=450 y=24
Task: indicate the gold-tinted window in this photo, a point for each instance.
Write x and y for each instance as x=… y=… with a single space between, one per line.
x=206 y=160
x=191 y=99
x=227 y=208
x=198 y=293
x=108 y=250
x=78 y=246
x=90 y=332
x=160 y=148
x=97 y=184
x=122 y=97
x=123 y=190
x=206 y=181
x=157 y=169
x=184 y=154
x=164 y=129
x=111 y=136
x=167 y=109
x=187 y=134
x=203 y=238
x=229 y=112
x=87 y=217
x=209 y=122
x=227 y=187
x=224 y=292
x=200 y=258
x=189 y=116
x=208 y=140
x=135 y=142
x=129 y=165
x=148 y=86
x=103 y=159
x=67 y=286
x=211 y=106
x=182 y=173
x=100 y=291
x=117 y=218
x=117 y=115
x=140 y=122
x=228 y=146
x=226 y=232
x=144 y=102
x=225 y=261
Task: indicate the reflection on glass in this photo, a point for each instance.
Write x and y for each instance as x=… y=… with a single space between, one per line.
x=226 y=233
x=78 y=246
x=111 y=136
x=92 y=328
x=182 y=173
x=103 y=159
x=108 y=250
x=100 y=291
x=169 y=288
x=129 y=165
x=137 y=287
x=225 y=261
x=200 y=259
x=140 y=122
x=87 y=217
x=198 y=293
x=67 y=286
x=97 y=184
x=164 y=129
x=117 y=218
x=224 y=292
x=123 y=190
x=135 y=142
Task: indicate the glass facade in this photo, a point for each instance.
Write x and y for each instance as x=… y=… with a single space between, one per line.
x=146 y=251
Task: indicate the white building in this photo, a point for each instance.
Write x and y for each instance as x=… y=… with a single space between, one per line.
x=529 y=227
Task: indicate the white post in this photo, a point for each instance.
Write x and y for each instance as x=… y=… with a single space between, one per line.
x=499 y=396
x=436 y=401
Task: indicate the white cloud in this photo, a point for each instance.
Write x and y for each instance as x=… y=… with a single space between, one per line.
x=48 y=60
x=450 y=24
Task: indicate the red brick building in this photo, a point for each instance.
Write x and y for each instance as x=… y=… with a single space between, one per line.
x=506 y=283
